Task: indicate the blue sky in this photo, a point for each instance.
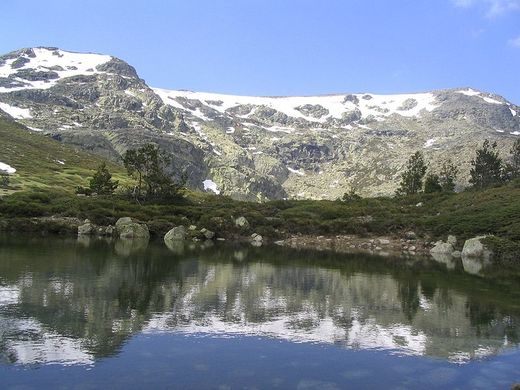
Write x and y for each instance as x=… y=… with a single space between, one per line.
x=287 y=47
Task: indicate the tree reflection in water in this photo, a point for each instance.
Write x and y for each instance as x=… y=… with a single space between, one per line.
x=72 y=302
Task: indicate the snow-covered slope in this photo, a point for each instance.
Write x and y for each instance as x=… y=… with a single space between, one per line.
x=50 y=64
x=333 y=106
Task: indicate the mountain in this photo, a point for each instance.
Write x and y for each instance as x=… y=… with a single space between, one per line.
x=251 y=147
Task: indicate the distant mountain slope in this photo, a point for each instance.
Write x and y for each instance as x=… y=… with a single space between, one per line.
x=251 y=147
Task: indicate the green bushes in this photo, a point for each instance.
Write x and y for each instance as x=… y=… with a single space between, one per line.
x=491 y=211
x=505 y=251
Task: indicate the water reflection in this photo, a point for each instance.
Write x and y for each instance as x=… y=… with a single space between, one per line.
x=72 y=302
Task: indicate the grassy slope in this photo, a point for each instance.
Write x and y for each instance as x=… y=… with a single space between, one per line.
x=35 y=157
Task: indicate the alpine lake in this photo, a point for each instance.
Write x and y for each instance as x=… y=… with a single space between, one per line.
x=91 y=313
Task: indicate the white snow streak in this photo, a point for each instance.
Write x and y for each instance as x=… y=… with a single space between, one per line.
x=296 y=171
x=16 y=112
x=7 y=168
x=211 y=185
x=472 y=92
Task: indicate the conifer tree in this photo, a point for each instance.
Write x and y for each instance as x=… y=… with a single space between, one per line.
x=432 y=184
x=448 y=175
x=148 y=164
x=487 y=168
x=513 y=166
x=102 y=183
x=412 y=177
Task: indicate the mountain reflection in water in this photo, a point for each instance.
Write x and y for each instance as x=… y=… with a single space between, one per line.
x=72 y=302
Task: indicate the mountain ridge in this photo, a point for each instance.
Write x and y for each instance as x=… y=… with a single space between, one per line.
x=251 y=147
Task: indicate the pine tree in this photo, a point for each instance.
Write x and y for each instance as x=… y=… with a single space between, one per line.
x=102 y=183
x=412 y=177
x=147 y=164
x=432 y=184
x=487 y=168
x=513 y=167
x=448 y=175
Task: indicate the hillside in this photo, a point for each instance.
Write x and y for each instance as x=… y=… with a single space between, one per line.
x=251 y=148
x=43 y=163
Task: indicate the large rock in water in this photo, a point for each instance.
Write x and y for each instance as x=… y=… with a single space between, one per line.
x=178 y=233
x=128 y=228
x=87 y=229
x=475 y=248
x=442 y=248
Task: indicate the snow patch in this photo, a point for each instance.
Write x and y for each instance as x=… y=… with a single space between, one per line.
x=211 y=186
x=379 y=106
x=472 y=92
x=296 y=171
x=7 y=168
x=16 y=112
x=71 y=64
x=515 y=133
x=469 y=92
x=489 y=100
x=429 y=143
x=34 y=128
x=513 y=112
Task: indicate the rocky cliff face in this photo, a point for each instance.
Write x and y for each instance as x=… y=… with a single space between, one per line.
x=251 y=147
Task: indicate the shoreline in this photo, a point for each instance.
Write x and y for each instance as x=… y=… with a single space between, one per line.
x=407 y=244
x=386 y=245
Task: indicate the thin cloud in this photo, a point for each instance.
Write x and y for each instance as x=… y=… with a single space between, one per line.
x=493 y=8
x=515 y=42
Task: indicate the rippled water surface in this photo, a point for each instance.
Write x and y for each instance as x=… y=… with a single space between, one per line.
x=95 y=314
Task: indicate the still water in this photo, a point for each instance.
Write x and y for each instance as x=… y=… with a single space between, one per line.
x=97 y=314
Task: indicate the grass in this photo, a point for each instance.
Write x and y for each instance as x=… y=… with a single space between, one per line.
x=36 y=159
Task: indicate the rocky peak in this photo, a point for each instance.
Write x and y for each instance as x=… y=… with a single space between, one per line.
x=43 y=67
